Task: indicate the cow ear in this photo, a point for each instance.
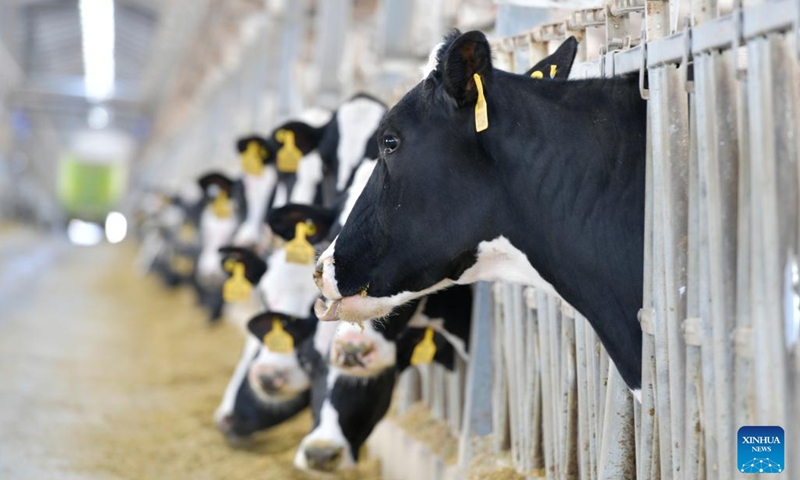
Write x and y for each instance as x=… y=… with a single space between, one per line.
x=215 y=178
x=306 y=137
x=469 y=54
x=283 y=221
x=260 y=325
x=557 y=65
x=254 y=266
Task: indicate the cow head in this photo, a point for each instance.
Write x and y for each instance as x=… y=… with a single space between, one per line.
x=242 y=412
x=277 y=373
x=429 y=213
x=244 y=270
x=362 y=368
x=288 y=287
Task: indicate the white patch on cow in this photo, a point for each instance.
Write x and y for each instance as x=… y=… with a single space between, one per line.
x=499 y=260
x=288 y=288
x=431 y=64
x=357 y=119
x=328 y=432
x=239 y=313
x=215 y=232
x=360 y=180
x=383 y=352
x=637 y=394
x=285 y=364
x=323 y=337
x=257 y=190
x=281 y=196
x=314 y=116
x=225 y=408
x=309 y=176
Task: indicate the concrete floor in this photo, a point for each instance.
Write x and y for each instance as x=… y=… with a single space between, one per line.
x=105 y=374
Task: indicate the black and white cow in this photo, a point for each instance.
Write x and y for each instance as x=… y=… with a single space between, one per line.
x=259 y=178
x=221 y=215
x=352 y=387
x=550 y=194
x=331 y=153
x=265 y=383
x=266 y=388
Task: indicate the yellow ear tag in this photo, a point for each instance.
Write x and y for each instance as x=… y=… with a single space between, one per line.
x=289 y=155
x=298 y=249
x=252 y=161
x=481 y=110
x=553 y=70
x=537 y=75
x=278 y=340
x=237 y=288
x=425 y=350
x=221 y=206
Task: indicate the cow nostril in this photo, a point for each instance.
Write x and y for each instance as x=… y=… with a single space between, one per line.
x=352 y=355
x=272 y=384
x=324 y=458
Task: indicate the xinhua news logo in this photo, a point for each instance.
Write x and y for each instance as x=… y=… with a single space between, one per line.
x=760 y=450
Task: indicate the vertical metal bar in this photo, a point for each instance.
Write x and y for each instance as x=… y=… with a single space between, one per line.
x=670 y=165
x=766 y=252
x=509 y=359
x=534 y=381
x=543 y=302
x=617 y=452
x=693 y=456
x=569 y=394
x=646 y=468
x=716 y=123
x=478 y=396
x=583 y=399
x=500 y=407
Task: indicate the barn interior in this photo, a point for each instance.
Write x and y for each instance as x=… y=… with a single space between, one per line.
x=112 y=366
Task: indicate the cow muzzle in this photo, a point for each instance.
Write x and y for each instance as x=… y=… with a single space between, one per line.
x=324 y=456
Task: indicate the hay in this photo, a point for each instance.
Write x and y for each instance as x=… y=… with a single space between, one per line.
x=133 y=387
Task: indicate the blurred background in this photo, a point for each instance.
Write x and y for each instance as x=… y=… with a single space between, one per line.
x=101 y=100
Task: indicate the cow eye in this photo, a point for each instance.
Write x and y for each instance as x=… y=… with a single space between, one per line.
x=389 y=143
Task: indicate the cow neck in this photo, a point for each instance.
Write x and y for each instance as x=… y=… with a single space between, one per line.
x=574 y=180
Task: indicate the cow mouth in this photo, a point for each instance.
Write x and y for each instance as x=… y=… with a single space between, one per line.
x=327 y=310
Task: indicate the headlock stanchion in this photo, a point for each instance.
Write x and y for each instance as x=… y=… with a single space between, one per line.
x=721 y=343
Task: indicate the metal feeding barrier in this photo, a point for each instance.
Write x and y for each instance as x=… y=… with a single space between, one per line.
x=720 y=311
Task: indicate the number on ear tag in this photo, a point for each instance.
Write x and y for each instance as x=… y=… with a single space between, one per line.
x=237 y=288
x=481 y=110
x=298 y=249
x=289 y=155
x=221 y=205
x=252 y=161
x=425 y=350
x=278 y=340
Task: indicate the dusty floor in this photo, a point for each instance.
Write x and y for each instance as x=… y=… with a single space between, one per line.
x=106 y=375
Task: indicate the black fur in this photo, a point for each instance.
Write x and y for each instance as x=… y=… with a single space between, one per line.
x=559 y=173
